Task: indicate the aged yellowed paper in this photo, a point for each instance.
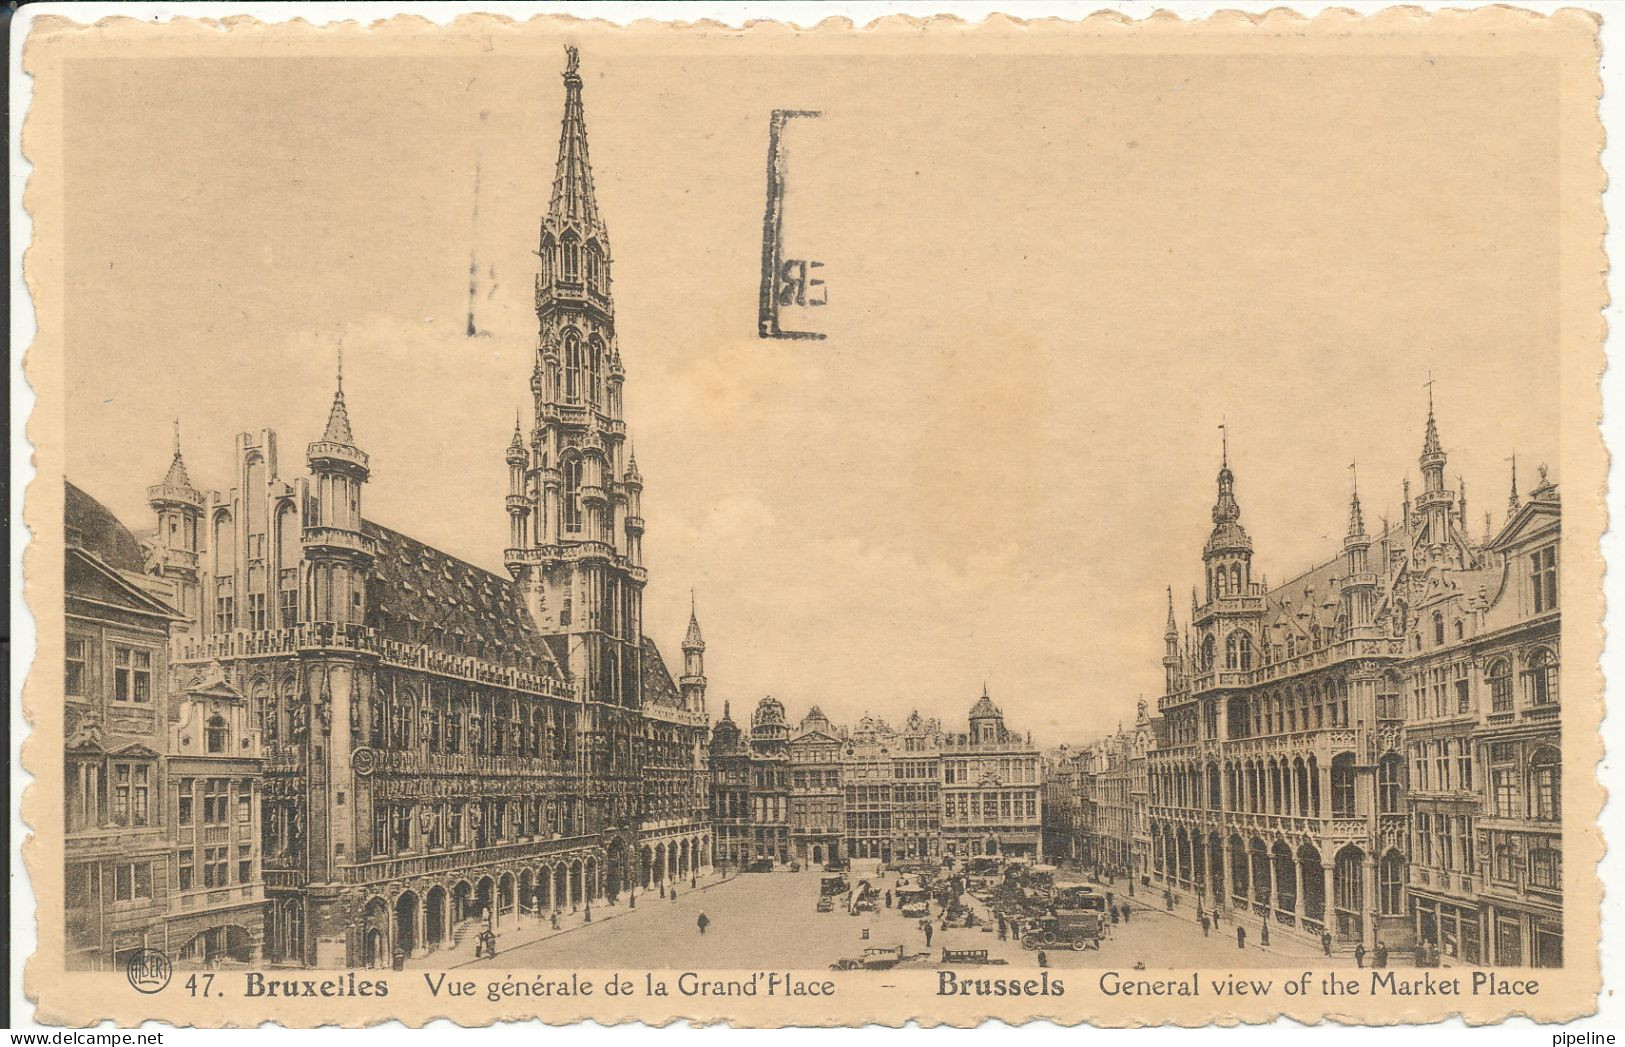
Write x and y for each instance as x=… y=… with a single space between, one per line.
x=1088 y=520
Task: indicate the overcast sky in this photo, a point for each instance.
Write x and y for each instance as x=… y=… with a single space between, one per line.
x=1050 y=281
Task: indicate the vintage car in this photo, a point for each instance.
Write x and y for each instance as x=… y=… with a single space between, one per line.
x=969 y=957
x=874 y=958
x=1078 y=929
x=833 y=885
x=760 y=865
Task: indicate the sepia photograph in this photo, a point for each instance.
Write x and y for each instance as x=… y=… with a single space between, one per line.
x=922 y=522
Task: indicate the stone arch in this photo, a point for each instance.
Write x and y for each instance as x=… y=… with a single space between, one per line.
x=1313 y=874
x=506 y=900
x=374 y=931
x=1348 y=891
x=436 y=928
x=408 y=915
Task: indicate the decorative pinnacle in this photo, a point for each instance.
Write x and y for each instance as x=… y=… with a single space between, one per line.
x=338 y=418
x=1512 y=499
x=1356 y=518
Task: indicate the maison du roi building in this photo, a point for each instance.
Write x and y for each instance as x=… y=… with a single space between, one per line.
x=1370 y=749
x=296 y=735
x=815 y=793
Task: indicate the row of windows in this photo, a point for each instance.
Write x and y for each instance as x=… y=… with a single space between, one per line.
x=132 y=671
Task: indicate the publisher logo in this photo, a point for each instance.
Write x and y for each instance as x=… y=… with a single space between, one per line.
x=148 y=971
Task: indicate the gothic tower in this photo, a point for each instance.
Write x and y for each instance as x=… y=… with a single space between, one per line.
x=1230 y=621
x=1359 y=590
x=574 y=501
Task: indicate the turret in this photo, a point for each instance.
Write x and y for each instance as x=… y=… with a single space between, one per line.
x=337 y=549
x=1170 y=648
x=179 y=508
x=693 y=678
x=1359 y=588
x=1435 y=504
x=1228 y=554
x=518 y=503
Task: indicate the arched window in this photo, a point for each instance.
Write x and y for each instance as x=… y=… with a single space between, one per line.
x=572 y=368
x=1438 y=628
x=570 y=507
x=595 y=266
x=1546 y=785
x=1390 y=783
x=1542 y=676
x=1207 y=653
x=572 y=259
x=1343 y=785
x=1221 y=581
x=547 y=253
x=1500 y=680
x=1235 y=579
x=1291 y=645
x=595 y=365
x=214 y=735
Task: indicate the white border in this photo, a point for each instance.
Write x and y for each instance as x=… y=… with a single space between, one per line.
x=1611 y=1014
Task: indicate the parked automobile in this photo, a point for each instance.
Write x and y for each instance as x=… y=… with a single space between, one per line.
x=874 y=958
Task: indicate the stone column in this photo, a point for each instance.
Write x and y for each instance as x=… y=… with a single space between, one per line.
x=1368 y=900
x=1327 y=901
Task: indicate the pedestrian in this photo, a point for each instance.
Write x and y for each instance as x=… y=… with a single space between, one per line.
x=1200 y=912
x=555 y=919
x=1109 y=899
x=1264 y=933
x=702 y=923
x=1379 y=958
x=1116 y=916
x=588 y=918
x=1203 y=921
x=925 y=925
x=1241 y=937
x=1043 y=958
x=1168 y=900
x=662 y=889
x=888 y=899
x=1128 y=911
x=1359 y=955
x=674 y=894
x=1326 y=943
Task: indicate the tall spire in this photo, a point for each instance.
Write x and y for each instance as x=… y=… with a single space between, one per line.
x=573 y=197
x=338 y=418
x=1172 y=631
x=1512 y=499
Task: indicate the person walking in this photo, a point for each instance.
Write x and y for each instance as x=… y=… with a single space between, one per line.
x=1206 y=926
x=1043 y=958
x=1326 y=942
x=1264 y=932
x=925 y=925
x=888 y=899
x=1241 y=936
x=1379 y=957
x=1359 y=955
x=555 y=919
x=702 y=923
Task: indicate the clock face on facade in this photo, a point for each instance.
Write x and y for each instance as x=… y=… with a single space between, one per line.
x=364 y=760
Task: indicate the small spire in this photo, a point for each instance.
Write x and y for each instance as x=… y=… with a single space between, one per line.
x=1356 y=518
x=1430 y=441
x=693 y=638
x=177 y=477
x=1512 y=499
x=338 y=417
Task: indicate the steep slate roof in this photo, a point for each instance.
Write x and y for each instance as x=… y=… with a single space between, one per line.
x=92 y=526
x=419 y=583
x=658 y=688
